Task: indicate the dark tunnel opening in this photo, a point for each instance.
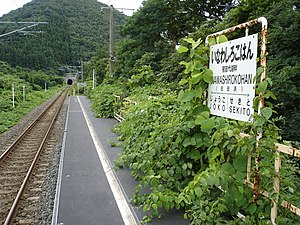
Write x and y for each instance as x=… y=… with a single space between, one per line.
x=69 y=82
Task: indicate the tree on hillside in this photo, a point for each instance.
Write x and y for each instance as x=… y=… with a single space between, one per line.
x=159 y=25
x=284 y=65
x=75 y=30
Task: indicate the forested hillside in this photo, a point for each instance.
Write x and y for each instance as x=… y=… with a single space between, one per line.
x=75 y=30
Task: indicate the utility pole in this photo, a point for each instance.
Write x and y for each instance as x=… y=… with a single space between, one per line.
x=111 y=39
x=81 y=63
x=24 y=93
x=111 y=36
x=93 y=78
x=13 y=94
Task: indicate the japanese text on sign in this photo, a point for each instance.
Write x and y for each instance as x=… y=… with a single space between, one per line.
x=233 y=88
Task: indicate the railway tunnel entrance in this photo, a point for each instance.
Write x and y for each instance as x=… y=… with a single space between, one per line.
x=69 y=82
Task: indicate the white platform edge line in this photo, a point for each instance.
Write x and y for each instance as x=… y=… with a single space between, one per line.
x=123 y=206
x=119 y=183
x=60 y=170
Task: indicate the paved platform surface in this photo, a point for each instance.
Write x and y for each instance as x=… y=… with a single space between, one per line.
x=90 y=192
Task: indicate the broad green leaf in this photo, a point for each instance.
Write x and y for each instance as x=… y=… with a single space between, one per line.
x=215 y=153
x=182 y=49
x=197 y=74
x=145 y=208
x=186 y=216
x=187 y=96
x=152 y=152
x=193 y=141
x=188 y=66
x=208 y=76
x=212 y=180
x=259 y=71
x=240 y=164
x=230 y=133
x=189 y=40
x=222 y=39
x=155 y=198
x=252 y=208
x=211 y=41
x=260 y=121
x=224 y=184
x=201 y=109
x=240 y=189
x=269 y=80
x=270 y=94
x=186 y=142
x=183 y=81
x=239 y=199
x=229 y=195
x=154 y=207
x=195 y=80
x=227 y=168
x=184 y=63
x=154 y=182
x=197 y=43
x=240 y=175
x=262 y=86
x=208 y=125
x=191 y=124
x=201 y=119
x=159 y=204
x=198 y=191
x=195 y=155
x=266 y=112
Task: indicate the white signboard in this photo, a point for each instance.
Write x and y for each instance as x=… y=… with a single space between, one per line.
x=234 y=68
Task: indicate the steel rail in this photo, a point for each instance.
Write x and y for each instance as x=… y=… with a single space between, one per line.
x=14 y=208
x=5 y=153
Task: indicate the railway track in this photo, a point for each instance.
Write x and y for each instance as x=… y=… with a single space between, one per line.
x=24 y=165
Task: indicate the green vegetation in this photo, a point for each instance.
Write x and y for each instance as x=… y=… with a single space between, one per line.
x=75 y=30
x=142 y=46
x=33 y=82
x=184 y=157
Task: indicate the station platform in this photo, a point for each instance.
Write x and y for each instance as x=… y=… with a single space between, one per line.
x=89 y=191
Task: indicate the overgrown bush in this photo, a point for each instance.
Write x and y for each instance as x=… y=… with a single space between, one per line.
x=103 y=99
x=188 y=159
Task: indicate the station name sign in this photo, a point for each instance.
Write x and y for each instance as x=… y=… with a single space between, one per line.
x=232 y=91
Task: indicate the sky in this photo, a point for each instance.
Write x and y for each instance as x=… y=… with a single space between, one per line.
x=7 y=5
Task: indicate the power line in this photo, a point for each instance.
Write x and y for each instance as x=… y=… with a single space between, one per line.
x=15 y=3
x=30 y=25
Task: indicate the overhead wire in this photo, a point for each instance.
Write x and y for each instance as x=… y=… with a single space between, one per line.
x=15 y=3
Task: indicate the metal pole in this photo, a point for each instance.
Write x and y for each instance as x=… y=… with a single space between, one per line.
x=263 y=64
x=93 y=78
x=13 y=94
x=111 y=38
x=81 y=70
x=23 y=93
x=45 y=86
